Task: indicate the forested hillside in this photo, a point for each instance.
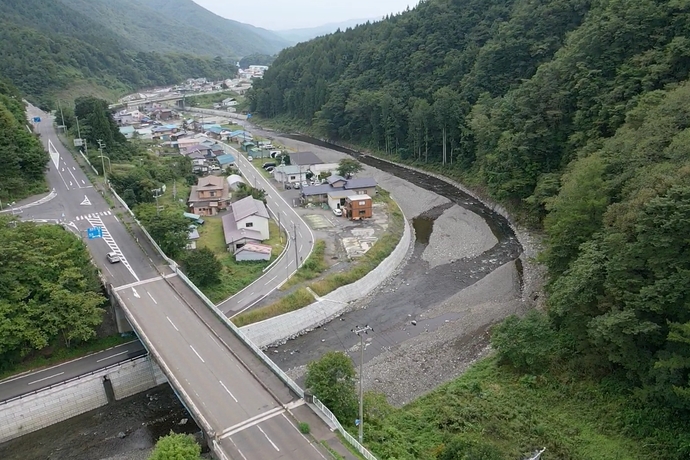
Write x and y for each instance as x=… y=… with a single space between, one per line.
x=574 y=113
x=48 y=48
x=22 y=156
x=177 y=26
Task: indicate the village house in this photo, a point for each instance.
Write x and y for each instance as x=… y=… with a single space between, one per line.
x=246 y=222
x=358 y=207
x=337 y=189
x=210 y=196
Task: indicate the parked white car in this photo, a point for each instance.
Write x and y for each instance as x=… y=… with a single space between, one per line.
x=338 y=212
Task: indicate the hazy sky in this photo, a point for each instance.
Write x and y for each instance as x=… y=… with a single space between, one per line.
x=295 y=14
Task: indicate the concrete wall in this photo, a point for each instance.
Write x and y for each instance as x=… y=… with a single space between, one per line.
x=52 y=405
x=277 y=330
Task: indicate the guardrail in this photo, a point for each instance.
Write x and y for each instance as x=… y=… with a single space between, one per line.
x=257 y=351
x=73 y=379
x=327 y=412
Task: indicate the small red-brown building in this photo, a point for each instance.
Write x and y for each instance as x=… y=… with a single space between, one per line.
x=358 y=207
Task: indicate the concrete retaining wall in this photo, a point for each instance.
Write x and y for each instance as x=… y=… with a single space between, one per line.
x=52 y=405
x=276 y=330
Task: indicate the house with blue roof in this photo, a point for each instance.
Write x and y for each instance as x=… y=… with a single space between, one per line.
x=225 y=160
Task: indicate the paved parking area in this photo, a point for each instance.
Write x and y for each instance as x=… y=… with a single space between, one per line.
x=317 y=221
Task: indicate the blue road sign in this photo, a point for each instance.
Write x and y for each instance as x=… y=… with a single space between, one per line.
x=37 y=119
x=94 y=232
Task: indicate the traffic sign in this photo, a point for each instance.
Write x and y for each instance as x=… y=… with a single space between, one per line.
x=94 y=232
x=37 y=119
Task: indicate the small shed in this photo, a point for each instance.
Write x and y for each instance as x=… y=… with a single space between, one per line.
x=253 y=251
x=359 y=207
x=192 y=237
x=234 y=181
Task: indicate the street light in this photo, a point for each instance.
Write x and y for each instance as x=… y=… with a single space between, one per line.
x=110 y=165
x=101 y=146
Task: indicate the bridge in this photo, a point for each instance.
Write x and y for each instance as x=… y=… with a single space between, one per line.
x=248 y=408
x=164 y=98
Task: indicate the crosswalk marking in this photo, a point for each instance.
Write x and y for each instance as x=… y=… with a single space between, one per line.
x=96 y=221
x=93 y=215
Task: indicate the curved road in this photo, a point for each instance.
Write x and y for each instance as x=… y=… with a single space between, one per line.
x=242 y=401
x=300 y=242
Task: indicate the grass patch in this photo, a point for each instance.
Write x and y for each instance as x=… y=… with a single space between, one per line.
x=60 y=354
x=311 y=268
x=316 y=264
x=517 y=414
x=374 y=256
x=235 y=275
x=291 y=302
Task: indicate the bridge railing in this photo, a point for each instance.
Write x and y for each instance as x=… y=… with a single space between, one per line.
x=257 y=351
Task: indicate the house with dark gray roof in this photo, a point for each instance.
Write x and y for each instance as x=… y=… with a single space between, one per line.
x=337 y=189
x=246 y=222
x=304 y=159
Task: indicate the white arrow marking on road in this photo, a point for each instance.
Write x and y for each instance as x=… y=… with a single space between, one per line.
x=82 y=181
x=63 y=169
x=136 y=294
x=86 y=201
x=70 y=182
x=73 y=168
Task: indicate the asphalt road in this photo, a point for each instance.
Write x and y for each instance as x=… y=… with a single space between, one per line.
x=249 y=409
x=248 y=418
x=300 y=241
x=27 y=383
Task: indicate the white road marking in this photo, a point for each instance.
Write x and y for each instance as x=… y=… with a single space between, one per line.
x=251 y=294
x=226 y=389
x=250 y=422
x=45 y=378
x=111 y=273
x=82 y=181
x=173 y=325
x=300 y=247
x=136 y=294
x=305 y=438
x=97 y=222
x=238 y=449
x=139 y=283
x=271 y=280
x=116 y=354
x=198 y=355
x=269 y=439
x=154 y=300
x=85 y=202
x=75 y=169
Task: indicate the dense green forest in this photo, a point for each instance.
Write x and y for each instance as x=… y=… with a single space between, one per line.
x=50 y=49
x=575 y=114
x=49 y=291
x=22 y=156
x=169 y=26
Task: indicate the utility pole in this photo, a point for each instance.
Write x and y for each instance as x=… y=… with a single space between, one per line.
x=294 y=241
x=174 y=189
x=156 y=194
x=361 y=332
x=101 y=146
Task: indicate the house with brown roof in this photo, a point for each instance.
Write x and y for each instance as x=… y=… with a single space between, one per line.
x=210 y=196
x=246 y=222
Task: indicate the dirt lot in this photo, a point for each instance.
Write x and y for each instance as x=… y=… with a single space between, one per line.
x=466 y=271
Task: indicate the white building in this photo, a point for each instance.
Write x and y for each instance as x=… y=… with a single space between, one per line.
x=246 y=222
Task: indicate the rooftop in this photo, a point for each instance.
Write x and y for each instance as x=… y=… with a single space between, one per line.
x=233 y=234
x=248 y=207
x=304 y=159
x=225 y=159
